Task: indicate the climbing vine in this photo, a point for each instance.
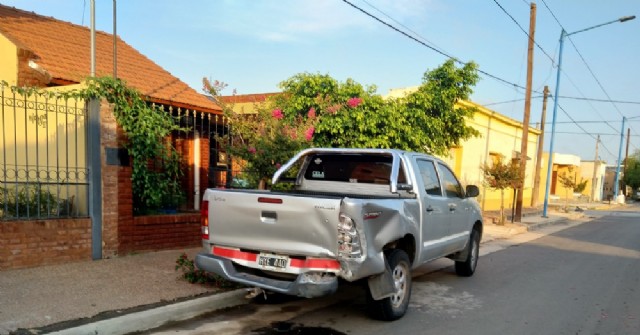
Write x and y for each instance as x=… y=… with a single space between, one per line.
x=156 y=171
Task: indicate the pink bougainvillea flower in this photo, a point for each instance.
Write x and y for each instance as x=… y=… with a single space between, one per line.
x=252 y=150
x=312 y=113
x=354 y=102
x=277 y=113
x=308 y=135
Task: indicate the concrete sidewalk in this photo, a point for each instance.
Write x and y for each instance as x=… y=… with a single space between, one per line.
x=136 y=292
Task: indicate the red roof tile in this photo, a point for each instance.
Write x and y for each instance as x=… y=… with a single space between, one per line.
x=63 y=50
x=244 y=98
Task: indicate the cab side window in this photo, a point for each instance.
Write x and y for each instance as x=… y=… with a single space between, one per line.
x=429 y=177
x=452 y=186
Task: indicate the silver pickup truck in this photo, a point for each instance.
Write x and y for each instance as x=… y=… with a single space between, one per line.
x=353 y=214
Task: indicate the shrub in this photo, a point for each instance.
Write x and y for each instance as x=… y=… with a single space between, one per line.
x=194 y=275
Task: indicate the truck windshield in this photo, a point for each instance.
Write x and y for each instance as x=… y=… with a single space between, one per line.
x=356 y=168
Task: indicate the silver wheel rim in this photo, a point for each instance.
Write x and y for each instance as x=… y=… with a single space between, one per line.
x=400 y=273
x=474 y=254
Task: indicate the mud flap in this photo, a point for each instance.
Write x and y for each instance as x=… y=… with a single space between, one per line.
x=462 y=255
x=382 y=286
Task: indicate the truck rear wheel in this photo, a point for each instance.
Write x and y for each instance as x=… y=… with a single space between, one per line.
x=467 y=267
x=395 y=306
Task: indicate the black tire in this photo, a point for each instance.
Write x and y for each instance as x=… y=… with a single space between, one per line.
x=467 y=267
x=395 y=306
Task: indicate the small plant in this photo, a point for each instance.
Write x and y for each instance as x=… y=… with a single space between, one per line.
x=194 y=275
x=500 y=176
x=568 y=181
x=30 y=201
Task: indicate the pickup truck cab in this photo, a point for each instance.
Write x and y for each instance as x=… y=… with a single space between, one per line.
x=352 y=214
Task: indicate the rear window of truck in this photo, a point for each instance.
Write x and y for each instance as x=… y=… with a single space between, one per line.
x=352 y=168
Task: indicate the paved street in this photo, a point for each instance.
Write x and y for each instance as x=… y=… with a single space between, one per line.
x=581 y=280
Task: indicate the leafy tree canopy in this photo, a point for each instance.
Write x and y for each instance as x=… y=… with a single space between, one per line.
x=426 y=120
x=632 y=171
x=318 y=110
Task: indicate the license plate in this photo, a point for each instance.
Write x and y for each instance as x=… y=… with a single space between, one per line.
x=273 y=261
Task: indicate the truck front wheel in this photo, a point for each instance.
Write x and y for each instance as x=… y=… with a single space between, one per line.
x=395 y=306
x=467 y=267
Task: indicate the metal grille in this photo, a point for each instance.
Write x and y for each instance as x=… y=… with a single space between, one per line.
x=201 y=125
x=43 y=156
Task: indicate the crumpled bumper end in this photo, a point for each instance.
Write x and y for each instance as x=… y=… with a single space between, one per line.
x=307 y=285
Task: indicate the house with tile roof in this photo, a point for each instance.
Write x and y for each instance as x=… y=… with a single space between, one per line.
x=61 y=56
x=54 y=55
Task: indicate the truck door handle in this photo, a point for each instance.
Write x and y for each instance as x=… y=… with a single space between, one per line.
x=429 y=209
x=452 y=207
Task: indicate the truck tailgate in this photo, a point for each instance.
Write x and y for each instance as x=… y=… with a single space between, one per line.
x=274 y=222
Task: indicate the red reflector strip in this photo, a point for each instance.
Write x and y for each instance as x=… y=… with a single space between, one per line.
x=270 y=200
x=312 y=263
x=315 y=264
x=235 y=254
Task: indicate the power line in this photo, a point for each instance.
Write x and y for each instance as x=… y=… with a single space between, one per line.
x=601 y=100
x=524 y=31
x=401 y=25
x=572 y=98
x=581 y=133
x=588 y=67
x=585 y=131
x=431 y=47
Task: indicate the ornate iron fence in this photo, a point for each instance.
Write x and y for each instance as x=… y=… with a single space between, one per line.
x=43 y=155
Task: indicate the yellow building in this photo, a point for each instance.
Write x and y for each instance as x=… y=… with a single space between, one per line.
x=500 y=137
x=563 y=165
x=596 y=180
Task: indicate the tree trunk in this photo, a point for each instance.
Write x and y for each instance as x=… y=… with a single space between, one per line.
x=262 y=185
x=501 y=222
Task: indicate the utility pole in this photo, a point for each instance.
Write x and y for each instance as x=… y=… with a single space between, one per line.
x=115 y=44
x=626 y=155
x=594 y=181
x=536 y=181
x=93 y=38
x=527 y=112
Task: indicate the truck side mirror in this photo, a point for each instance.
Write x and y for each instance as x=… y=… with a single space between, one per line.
x=472 y=191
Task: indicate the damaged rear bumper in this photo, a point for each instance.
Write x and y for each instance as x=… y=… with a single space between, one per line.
x=307 y=285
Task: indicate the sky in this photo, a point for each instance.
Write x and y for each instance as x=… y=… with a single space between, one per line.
x=253 y=45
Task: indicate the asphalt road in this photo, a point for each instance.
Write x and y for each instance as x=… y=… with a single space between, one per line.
x=581 y=280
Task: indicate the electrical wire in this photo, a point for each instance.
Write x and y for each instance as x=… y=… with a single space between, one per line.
x=588 y=67
x=487 y=74
x=601 y=100
x=584 y=130
x=525 y=32
x=509 y=101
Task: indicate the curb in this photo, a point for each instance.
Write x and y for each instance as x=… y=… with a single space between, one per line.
x=157 y=317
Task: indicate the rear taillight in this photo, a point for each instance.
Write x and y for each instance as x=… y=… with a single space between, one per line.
x=204 y=219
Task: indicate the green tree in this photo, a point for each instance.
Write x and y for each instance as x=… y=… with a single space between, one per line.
x=569 y=182
x=500 y=176
x=632 y=171
x=427 y=120
x=317 y=110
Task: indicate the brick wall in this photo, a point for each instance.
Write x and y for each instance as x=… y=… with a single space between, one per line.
x=44 y=242
x=117 y=211
x=157 y=232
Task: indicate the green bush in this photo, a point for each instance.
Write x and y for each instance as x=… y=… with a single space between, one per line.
x=30 y=201
x=194 y=275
